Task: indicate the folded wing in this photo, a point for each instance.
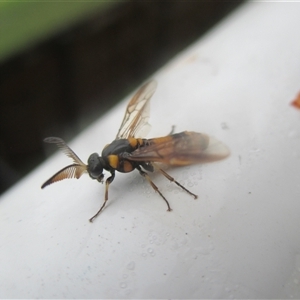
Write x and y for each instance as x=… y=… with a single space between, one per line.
x=180 y=149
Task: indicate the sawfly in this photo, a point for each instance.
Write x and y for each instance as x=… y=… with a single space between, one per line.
x=129 y=151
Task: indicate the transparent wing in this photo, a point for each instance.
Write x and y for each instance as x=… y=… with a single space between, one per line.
x=135 y=121
x=181 y=149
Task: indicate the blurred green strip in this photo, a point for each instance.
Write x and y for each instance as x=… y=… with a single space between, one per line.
x=23 y=24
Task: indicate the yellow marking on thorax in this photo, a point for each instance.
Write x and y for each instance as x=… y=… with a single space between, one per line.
x=140 y=142
x=133 y=142
x=113 y=161
x=127 y=166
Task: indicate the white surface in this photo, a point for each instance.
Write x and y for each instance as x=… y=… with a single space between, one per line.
x=239 y=239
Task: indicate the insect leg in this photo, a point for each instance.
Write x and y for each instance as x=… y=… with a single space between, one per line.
x=145 y=175
x=147 y=166
x=173 y=180
x=108 y=181
x=172 y=130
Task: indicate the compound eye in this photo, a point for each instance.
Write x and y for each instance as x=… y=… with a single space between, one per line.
x=95 y=168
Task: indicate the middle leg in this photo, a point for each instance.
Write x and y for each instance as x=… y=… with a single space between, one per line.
x=145 y=175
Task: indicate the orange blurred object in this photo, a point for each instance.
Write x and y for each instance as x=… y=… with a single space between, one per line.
x=296 y=102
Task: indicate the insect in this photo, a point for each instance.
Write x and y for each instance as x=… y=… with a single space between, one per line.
x=129 y=151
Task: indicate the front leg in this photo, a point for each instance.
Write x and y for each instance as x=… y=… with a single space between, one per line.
x=108 y=181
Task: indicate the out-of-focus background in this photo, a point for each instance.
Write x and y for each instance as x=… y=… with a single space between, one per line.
x=62 y=65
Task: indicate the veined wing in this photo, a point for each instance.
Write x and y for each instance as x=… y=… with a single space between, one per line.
x=137 y=113
x=181 y=149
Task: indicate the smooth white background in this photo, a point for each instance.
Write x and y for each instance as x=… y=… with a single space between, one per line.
x=240 y=239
